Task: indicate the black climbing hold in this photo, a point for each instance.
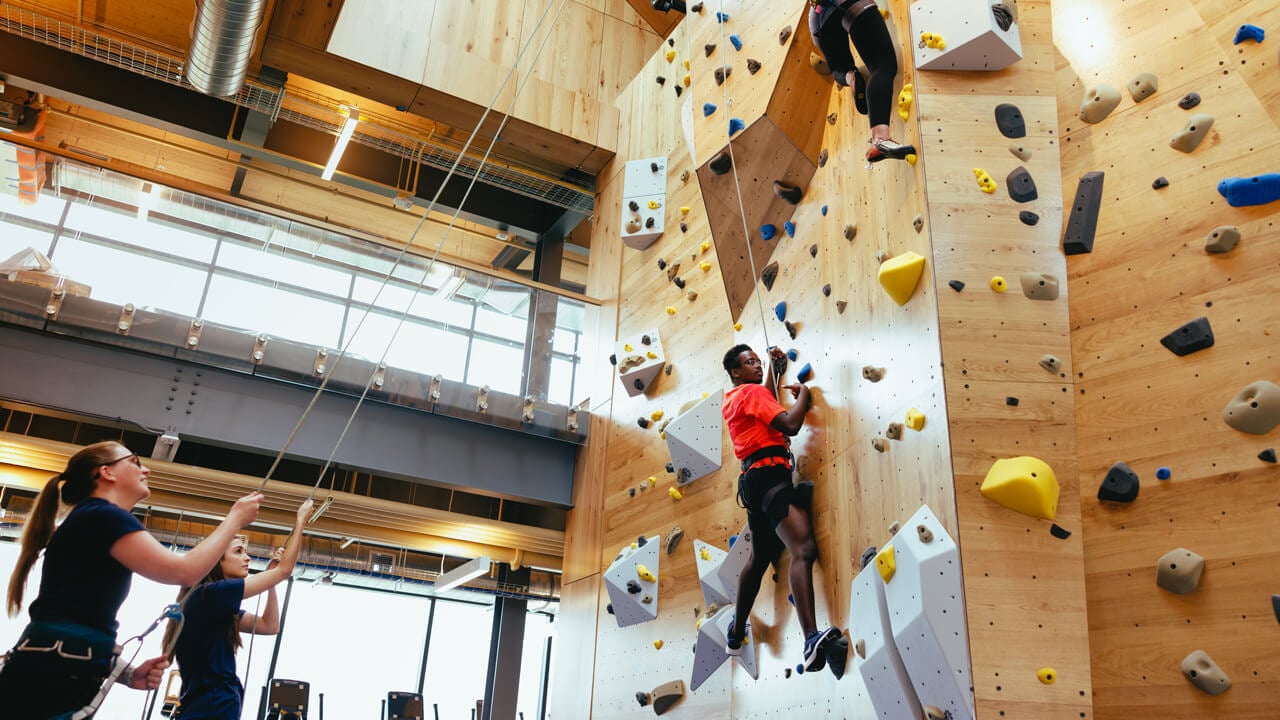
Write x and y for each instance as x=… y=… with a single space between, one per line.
x=633 y=492
x=791 y=329
x=679 y=281
x=1195 y=335
x=1083 y=222
x=1275 y=606
x=696 y=7
x=670 y=468
x=822 y=158
x=1120 y=484
x=643 y=422
x=641 y=541
x=667 y=370
x=956 y=285
x=1189 y=101
x=709 y=48
x=1160 y=182
x=753 y=66
x=1009 y=120
x=633 y=587
x=679 y=89
x=609 y=608
x=638 y=384
x=1059 y=532
x=1021 y=187
x=649 y=223
x=1268 y=455
x=661 y=80
x=633 y=206
x=1004 y=16
x=721 y=73
x=813 y=250
x=787 y=671
x=790 y=193
x=613 y=359
x=826 y=290
x=684 y=227
x=653 y=167
x=671 y=42
x=642 y=697
x=868 y=557
x=721 y=163
x=1028 y=218
x=646 y=340
x=662 y=264
x=768 y=275
x=1011 y=401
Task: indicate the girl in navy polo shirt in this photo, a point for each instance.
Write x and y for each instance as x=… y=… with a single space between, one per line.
x=69 y=647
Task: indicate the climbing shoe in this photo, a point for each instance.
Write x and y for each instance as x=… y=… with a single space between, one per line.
x=888 y=150
x=814 y=658
x=859 y=91
x=733 y=644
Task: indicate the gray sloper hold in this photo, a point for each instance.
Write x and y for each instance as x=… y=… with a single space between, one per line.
x=1179 y=571
x=1193 y=133
x=1189 y=101
x=1021 y=187
x=1098 y=103
x=1195 y=335
x=1204 y=673
x=1255 y=409
x=1004 y=16
x=1142 y=86
x=1050 y=363
x=1039 y=286
x=1222 y=239
x=769 y=274
x=1021 y=152
x=1028 y=218
x=1120 y=484
x=1009 y=121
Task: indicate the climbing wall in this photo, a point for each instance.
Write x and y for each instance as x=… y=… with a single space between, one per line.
x=843 y=322
x=1023 y=586
x=1139 y=403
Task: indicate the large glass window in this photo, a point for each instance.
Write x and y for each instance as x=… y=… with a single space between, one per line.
x=537 y=628
x=118 y=275
x=458 y=658
x=274 y=310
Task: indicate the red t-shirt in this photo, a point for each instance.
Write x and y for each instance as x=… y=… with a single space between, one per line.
x=748 y=411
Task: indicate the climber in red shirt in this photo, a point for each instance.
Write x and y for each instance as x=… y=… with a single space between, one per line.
x=777 y=512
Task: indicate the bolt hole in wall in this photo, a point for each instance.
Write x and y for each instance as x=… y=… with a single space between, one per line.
x=179 y=252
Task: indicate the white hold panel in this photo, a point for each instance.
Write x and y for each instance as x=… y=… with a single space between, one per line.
x=974 y=41
x=709 y=649
x=635 y=368
x=888 y=684
x=694 y=439
x=630 y=608
x=925 y=598
x=718 y=571
x=644 y=186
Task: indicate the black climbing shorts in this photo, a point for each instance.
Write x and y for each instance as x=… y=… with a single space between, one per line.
x=767 y=494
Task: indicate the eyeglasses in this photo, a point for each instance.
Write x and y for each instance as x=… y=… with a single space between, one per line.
x=133 y=457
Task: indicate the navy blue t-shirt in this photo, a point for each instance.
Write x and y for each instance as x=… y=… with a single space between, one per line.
x=211 y=689
x=81 y=582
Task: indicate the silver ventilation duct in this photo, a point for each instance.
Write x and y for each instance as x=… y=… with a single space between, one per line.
x=221 y=44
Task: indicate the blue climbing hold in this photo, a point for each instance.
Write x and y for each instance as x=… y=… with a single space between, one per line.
x=781 y=311
x=707 y=109
x=737 y=42
x=722 y=17
x=767 y=231
x=824 y=211
x=1163 y=473
x=799 y=668
x=735 y=126
x=1257 y=190
x=1249 y=32
x=792 y=354
x=732 y=539
x=790 y=227
x=805 y=374
x=791 y=599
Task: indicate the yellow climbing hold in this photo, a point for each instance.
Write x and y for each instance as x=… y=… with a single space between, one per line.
x=886 y=564
x=704 y=266
x=985 y=182
x=634 y=545
x=998 y=284
x=706 y=245
x=671 y=55
x=652 y=355
x=656 y=415
x=654 y=204
x=686 y=65
x=684 y=209
x=671 y=310
x=884 y=12
x=737 y=326
x=933 y=40
x=644 y=574
x=657 y=644
x=900 y=275
x=705 y=394
x=904 y=101
x=1046 y=675
x=706 y=554
x=911 y=158
x=1023 y=484
x=698 y=625
x=915 y=419
x=686 y=80
x=626 y=347
x=675 y=494
x=653 y=481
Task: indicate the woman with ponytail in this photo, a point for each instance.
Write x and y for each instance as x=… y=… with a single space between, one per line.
x=209 y=635
x=68 y=648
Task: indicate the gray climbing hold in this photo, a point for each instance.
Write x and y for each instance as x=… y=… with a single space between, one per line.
x=1193 y=133
x=1142 y=86
x=1222 y=239
x=868 y=557
x=708 y=49
x=1083 y=221
x=1098 y=103
x=1004 y=16
x=1179 y=570
x=723 y=72
x=1255 y=409
x=1160 y=183
x=879 y=444
x=1039 y=286
x=840 y=306
x=924 y=533
x=918 y=222
x=850 y=231
x=1021 y=187
x=831 y=118
x=1204 y=673
x=826 y=290
x=819 y=64
x=791 y=193
x=1009 y=120
x=1051 y=363
x=894 y=432
x=813 y=250
x=1194 y=336
x=872 y=373
x=822 y=158
x=753 y=66
x=1189 y=101
x=633 y=587
x=1120 y=485
x=1020 y=152
x=1028 y=218
x=784 y=35
x=769 y=274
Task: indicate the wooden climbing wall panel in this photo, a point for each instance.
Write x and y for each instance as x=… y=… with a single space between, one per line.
x=1135 y=401
x=1024 y=588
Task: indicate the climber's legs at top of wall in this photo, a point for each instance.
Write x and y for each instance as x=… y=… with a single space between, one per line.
x=861 y=23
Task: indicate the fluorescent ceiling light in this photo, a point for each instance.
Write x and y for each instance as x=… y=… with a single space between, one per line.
x=463 y=574
x=344 y=137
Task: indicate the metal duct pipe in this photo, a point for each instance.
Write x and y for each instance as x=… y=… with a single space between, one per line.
x=221 y=43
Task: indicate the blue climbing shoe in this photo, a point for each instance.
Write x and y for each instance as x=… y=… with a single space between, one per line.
x=1257 y=190
x=814 y=657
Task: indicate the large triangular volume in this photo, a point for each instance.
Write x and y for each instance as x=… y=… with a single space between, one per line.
x=632 y=582
x=694 y=439
x=709 y=650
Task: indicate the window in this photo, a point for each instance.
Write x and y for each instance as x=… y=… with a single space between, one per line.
x=272 y=264
x=537 y=629
x=458 y=658
x=272 y=310
x=117 y=275
x=498 y=365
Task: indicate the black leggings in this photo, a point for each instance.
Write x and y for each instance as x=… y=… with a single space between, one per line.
x=871 y=37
